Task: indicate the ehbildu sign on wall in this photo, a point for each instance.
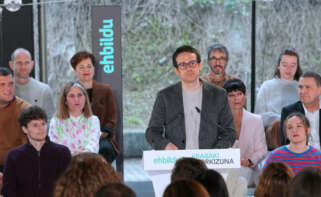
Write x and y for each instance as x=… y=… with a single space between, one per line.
x=106 y=34
x=106 y=47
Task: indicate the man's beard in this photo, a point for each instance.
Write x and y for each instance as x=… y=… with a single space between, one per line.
x=216 y=71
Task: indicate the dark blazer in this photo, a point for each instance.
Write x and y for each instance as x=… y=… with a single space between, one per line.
x=287 y=110
x=105 y=108
x=167 y=123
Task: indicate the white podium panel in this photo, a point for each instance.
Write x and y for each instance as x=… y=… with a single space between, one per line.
x=159 y=164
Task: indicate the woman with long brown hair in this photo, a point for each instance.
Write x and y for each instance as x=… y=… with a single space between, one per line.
x=74 y=125
x=274 y=181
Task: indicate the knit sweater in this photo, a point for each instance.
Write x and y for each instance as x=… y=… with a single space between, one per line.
x=11 y=135
x=273 y=95
x=296 y=161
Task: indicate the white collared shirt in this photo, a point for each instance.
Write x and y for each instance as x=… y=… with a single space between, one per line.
x=314 y=118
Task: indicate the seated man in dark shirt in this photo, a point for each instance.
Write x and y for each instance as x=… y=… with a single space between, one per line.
x=33 y=168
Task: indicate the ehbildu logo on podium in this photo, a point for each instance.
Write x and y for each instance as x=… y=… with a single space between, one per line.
x=214 y=158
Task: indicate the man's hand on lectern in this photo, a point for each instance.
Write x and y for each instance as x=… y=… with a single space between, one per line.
x=171 y=146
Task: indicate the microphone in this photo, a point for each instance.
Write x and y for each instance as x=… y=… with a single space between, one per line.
x=198 y=109
x=219 y=126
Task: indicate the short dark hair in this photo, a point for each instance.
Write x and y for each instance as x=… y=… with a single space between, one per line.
x=214 y=183
x=5 y=71
x=188 y=49
x=78 y=57
x=313 y=75
x=187 y=167
x=290 y=52
x=234 y=85
x=31 y=113
x=115 y=190
x=217 y=47
x=304 y=119
x=306 y=183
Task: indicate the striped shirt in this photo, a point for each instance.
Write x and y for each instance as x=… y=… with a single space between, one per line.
x=296 y=161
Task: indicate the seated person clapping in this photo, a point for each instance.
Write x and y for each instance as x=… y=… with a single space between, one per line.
x=74 y=125
x=249 y=129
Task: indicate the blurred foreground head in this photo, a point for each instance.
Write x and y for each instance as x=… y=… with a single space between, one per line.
x=86 y=173
x=185 y=188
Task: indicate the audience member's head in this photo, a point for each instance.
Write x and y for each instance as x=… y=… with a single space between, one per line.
x=187 y=167
x=66 y=100
x=83 y=64
x=214 y=183
x=217 y=57
x=234 y=85
x=80 y=56
x=4 y=71
x=274 y=181
x=7 y=86
x=86 y=173
x=21 y=63
x=288 y=65
x=31 y=113
x=294 y=119
x=33 y=121
x=115 y=190
x=310 y=89
x=185 y=188
x=306 y=183
x=236 y=94
x=273 y=139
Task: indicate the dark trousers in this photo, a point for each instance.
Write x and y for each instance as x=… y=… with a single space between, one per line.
x=106 y=149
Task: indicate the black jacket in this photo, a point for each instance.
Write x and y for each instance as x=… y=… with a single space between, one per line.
x=28 y=172
x=167 y=122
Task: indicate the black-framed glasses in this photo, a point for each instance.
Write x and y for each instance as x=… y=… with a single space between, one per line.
x=184 y=65
x=215 y=59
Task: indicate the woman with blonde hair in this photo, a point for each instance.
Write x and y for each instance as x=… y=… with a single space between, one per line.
x=74 y=125
x=86 y=173
x=274 y=181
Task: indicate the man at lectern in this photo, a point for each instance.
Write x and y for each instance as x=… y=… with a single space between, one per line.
x=190 y=114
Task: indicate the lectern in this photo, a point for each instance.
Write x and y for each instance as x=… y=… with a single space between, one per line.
x=159 y=164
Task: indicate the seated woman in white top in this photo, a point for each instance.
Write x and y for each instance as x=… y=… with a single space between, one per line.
x=280 y=91
x=249 y=130
x=74 y=125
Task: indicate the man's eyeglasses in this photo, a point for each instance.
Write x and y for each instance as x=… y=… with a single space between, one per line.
x=184 y=65
x=214 y=59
